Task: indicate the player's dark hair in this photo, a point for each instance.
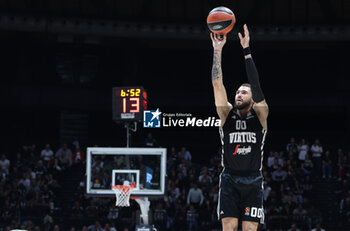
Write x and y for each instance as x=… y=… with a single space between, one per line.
x=246 y=85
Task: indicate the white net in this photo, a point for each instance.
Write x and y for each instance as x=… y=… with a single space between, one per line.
x=122 y=193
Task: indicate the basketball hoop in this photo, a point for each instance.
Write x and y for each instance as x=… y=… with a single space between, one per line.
x=122 y=193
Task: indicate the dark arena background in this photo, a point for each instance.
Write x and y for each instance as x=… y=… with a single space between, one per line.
x=60 y=59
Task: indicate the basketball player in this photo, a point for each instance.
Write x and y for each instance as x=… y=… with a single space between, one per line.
x=242 y=130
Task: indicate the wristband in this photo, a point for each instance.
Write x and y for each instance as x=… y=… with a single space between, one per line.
x=246 y=51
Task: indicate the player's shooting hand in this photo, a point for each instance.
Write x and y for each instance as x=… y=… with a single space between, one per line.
x=244 y=40
x=218 y=41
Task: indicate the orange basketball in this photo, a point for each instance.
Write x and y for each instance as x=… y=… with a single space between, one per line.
x=221 y=20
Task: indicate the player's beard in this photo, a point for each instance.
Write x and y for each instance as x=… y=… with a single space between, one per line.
x=242 y=106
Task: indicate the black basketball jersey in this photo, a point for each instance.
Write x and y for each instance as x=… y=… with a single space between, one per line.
x=242 y=141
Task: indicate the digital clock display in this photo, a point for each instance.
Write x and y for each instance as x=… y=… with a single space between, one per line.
x=128 y=103
x=130 y=92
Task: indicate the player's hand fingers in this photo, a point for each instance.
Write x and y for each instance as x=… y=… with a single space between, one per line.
x=246 y=31
x=211 y=36
x=240 y=36
x=224 y=37
x=215 y=38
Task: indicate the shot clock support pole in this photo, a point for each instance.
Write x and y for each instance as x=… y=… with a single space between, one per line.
x=130 y=127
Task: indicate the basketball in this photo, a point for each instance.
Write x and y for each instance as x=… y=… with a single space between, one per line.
x=221 y=20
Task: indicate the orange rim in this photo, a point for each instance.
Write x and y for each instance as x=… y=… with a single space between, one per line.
x=124 y=188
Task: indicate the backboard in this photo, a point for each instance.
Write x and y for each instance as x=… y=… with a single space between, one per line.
x=106 y=167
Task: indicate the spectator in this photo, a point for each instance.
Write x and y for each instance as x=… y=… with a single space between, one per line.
x=307 y=186
x=40 y=169
x=47 y=155
x=78 y=155
x=33 y=149
x=340 y=156
x=204 y=178
x=95 y=227
x=293 y=227
x=46 y=193
x=4 y=164
x=25 y=182
x=270 y=160
x=172 y=158
x=299 y=214
x=195 y=195
x=317 y=150
x=314 y=216
x=279 y=175
x=279 y=158
x=346 y=167
x=274 y=166
x=307 y=166
x=18 y=160
x=192 y=218
x=179 y=217
x=186 y=155
x=318 y=228
x=91 y=211
x=31 y=174
x=214 y=194
x=173 y=192
x=64 y=149
x=292 y=146
x=345 y=210
x=28 y=225
x=150 y=141
x=160 y=216
x=326 y=165
x=275 y=214
x=182 y=170
x=64 y=160
x=107 y=227
x=48 y=222
x=77 y=211
x=113 y=212
x=56 y=168
x=303 y=149
x=205 y=215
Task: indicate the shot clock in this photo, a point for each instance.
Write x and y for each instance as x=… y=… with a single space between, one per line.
x=128 y=103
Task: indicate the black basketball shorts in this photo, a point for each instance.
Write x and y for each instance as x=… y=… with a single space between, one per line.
x=241 y=197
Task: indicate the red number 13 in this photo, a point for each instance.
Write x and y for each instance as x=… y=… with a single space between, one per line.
x=136 y=105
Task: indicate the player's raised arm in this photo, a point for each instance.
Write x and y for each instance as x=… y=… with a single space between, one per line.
x=223 y=107
x=260 y=106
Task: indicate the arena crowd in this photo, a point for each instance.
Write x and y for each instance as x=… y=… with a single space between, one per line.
x=31 y=178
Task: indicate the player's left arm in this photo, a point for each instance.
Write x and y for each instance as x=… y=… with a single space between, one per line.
x=260 y=106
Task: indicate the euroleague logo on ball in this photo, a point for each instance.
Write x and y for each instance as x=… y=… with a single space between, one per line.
x=217 y=27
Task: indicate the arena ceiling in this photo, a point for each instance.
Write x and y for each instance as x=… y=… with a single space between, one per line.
x=182 y=19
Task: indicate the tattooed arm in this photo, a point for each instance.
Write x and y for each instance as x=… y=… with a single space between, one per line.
x=223 y=107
